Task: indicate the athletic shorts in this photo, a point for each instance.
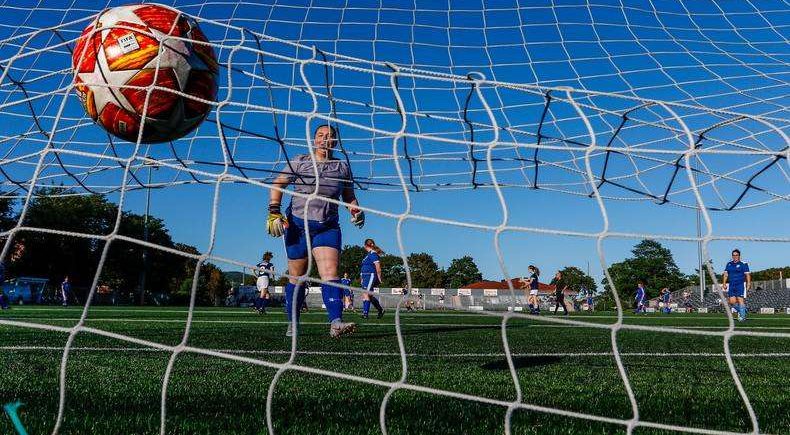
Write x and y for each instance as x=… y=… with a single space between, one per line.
x=736 y=290
x=262 y=283
x=322 y=234
x=533 y=292
x=369 y=280
x=348 y=293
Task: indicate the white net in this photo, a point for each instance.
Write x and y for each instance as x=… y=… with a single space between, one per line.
x=671 y=103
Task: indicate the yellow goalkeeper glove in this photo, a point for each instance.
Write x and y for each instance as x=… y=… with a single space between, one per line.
x=276 y=223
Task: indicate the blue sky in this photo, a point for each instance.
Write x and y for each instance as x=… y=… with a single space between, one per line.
x=728 y=56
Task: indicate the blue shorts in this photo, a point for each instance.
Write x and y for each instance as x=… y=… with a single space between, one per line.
x=737 y=290
x=369 y=280
x=348 y=293
x=322 y=234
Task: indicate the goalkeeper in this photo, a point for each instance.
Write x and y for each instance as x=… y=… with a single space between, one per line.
x=315 y=218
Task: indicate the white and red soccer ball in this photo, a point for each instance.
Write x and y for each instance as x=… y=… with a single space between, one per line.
x=127 y=51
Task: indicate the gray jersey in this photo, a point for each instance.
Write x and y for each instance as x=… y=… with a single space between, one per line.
x=334 y=176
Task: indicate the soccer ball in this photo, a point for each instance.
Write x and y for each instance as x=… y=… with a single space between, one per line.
x=129 y=50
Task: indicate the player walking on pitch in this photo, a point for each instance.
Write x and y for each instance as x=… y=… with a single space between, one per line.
x=559 y=292
x=348 y=294
x=265 y=273
x=370 y=273
x=639 y=301
x=666 y=298
x=532 y=282
x=736 y=280
x=315 y=218
x=65 y=290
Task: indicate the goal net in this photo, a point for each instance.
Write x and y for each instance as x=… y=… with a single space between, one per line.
x=655 y=105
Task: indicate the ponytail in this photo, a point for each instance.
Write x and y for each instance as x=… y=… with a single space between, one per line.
x=372 y=245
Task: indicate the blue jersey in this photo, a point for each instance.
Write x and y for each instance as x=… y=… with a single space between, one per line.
x=346 y=282
x=369 y=264
x=264 y=268
x=736 y=273
x=65 y=286
x=640 y=294
x=666 y=296
x=533 y=285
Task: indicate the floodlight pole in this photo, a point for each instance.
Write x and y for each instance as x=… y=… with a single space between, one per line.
x=144 y=272
x=699 y=257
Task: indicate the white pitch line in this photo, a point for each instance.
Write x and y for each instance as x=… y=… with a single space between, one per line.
x=415 y=355
x=285 y=322
x=240 y=311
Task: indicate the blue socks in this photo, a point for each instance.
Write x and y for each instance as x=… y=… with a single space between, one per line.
x=289 y=293
x=741 y=308
x=333 y=299
x=365 y=307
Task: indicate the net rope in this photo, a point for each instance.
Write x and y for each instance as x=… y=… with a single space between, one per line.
x=562 y=133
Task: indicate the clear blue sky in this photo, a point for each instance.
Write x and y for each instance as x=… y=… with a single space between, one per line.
x=729 y=56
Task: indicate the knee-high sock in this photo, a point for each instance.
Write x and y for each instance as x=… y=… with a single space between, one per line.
x=365 y=307
x=264 y=302
x=333 y=299
x=289 y=296
x=375 y=302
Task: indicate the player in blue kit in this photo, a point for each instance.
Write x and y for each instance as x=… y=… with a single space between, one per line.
x=534 y=285
x=370 y=273
x=264 y=271
x=65 y=291
x=736 y=280
x=666 y=298
x=348 y=294
x=319 y=182
x=640 y=298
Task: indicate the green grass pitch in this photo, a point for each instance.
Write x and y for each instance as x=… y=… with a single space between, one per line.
x=115 y=386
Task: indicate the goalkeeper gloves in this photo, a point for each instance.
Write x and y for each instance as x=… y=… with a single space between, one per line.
x=357 y=217
x=276 y=223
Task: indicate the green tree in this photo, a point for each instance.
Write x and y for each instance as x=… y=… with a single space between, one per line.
x=7 y=218
x=393 y=274
x=53 y=255
x=350 y=261
x=425 y=273
x=577 y=279
x=771 y=273
x=462 y=271
x=212 y=283
x=652 y=263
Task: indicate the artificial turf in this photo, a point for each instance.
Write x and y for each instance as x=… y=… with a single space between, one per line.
x=115 y=386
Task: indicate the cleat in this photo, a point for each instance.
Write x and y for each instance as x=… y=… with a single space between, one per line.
x=339 y=329
x=290 y=331
x=380 y=314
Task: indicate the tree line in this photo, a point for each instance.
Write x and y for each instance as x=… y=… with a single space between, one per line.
x=55 y=256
